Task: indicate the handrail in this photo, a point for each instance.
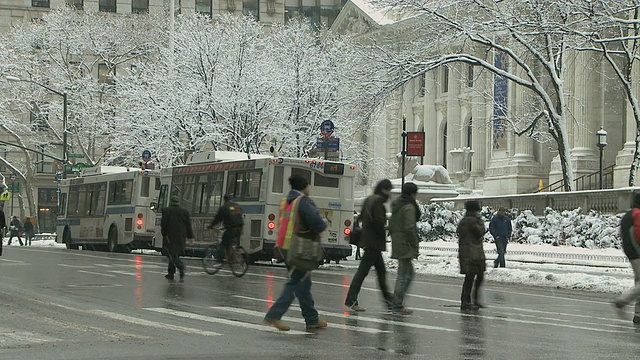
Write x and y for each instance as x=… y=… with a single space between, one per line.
x=560 y=183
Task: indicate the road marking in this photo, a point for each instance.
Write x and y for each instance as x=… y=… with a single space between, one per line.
x=95 y=273
x=366 y=318
x=224 y=321
x=122 y=272
x=288 y=318
x=159 y=325
x=13 y=261
x=11 y=338
x=78 y=266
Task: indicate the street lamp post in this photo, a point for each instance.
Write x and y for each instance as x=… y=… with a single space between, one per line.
x=65 y=159
x=602 y=142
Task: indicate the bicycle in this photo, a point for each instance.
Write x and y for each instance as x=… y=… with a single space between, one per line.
x=237 y=260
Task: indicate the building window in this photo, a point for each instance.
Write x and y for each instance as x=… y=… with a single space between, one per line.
x=40 y=3
x=470 y=76
x=251 y=7
x=444 y=146
x=445 y=79
x=105 y=75
x=47 y=204
x=76 y=4
x=139 y=6
x=422 y=84
x=44 y=164
x=470 y=139
x=38 y=117
x=108 y=6
x=203 y=7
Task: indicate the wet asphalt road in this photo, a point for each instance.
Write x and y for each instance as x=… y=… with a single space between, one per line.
x=63 y=304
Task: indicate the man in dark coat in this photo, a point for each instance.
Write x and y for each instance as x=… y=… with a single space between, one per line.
x=630 y=234
x=500 y=228
x=230 y=215
x=176 y=229
x=28 y=231
x=471 y=255
x=374 y=241
x=15 y=227
x=405 y=213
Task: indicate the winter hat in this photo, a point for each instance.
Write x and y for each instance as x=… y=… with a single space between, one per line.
x=409 y=188
x=297 y=182
x=383 y=185
x=472 y=206
x=175 y=201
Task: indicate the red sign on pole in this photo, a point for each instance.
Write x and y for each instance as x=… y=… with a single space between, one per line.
x=415 y=143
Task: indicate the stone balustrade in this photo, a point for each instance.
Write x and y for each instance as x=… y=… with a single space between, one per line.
x=609 y=201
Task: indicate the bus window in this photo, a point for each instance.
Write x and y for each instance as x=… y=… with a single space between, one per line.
x=144 y=189
x=157 y=183
x=252 y=185
x=235 y=184
x=215 y=193
x=162 y=197
x=83 y=202
x=120 y=192
x=62 y=205
x=302 y=172
x=231 y=183
x=278 y=180
x=98 y=195
x=201 y=194
x=73 y=201
x=323 y=181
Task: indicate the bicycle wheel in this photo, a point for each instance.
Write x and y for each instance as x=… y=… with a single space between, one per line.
x=210 y=261
x=238 y=261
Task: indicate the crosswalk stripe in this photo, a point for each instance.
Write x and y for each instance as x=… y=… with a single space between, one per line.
x=366 y=318
x=224 y=321
x=9 y=337
x=122 y=272
x=288 y=318
x=95 y=273
x=143 y=322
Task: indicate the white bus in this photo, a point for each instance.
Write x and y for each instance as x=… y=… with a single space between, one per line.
x=108 y=207
x=258 y=184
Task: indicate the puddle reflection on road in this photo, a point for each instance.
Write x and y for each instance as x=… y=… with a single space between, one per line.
x=472 y=337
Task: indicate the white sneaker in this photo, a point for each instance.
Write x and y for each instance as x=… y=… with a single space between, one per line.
x=357 y=307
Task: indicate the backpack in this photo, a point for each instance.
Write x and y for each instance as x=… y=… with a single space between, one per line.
x=235 y=216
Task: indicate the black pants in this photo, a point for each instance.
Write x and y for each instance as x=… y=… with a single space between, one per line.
x=470 y=284
x=174 y=262
x=369 y=259
x=229 y=237
x=16 y=235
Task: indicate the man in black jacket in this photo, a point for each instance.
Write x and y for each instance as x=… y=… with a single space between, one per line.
x=230 y=215
x=629 y=232
x=374 y=241
x=176 y=229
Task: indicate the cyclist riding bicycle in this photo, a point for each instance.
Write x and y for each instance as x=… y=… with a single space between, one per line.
x=230 y=215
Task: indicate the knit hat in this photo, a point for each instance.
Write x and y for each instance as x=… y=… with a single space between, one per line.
x=472 y=206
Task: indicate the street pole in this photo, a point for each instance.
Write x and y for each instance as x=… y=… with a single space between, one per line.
x=600 y=172
x=404 y=148
x=65 y=159
x=326 y=148
x=13 y=186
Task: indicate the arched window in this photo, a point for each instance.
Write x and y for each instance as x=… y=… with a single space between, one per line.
x=444 y=146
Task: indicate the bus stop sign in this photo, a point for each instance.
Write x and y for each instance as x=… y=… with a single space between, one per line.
x=326 y=128
x=146 y=156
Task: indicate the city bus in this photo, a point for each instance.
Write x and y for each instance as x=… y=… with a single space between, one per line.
x=108 y=207
x=257 y=185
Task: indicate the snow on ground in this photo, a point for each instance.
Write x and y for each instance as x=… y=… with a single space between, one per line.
x=588 y=275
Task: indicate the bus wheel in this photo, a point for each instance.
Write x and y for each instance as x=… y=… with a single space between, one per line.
x=112 y=240
x=66 y=238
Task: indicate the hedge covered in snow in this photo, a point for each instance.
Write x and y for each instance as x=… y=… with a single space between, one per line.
x=573 y=228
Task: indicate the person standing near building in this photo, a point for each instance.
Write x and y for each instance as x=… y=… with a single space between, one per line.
x=301 y=210
x=500 y=228
x=405 y=213
x=471 y=255
x=374 y=240
x=28 y=231
x=630 y=234
x=176 y=229
x=15 y=227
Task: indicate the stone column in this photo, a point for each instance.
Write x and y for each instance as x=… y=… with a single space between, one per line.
x=431 y=118
x=625 y=155
x=454 y=127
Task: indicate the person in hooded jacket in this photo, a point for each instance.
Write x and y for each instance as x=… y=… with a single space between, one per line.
x=176 y=229
x=471 y=255
x=405 y=213
x=309 y=225
x=630 y=234
x=374 y=241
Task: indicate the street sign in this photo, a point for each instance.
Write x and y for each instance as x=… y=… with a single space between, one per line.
x=5 y=196
x=13 y=187
x=334 y=144
x=326 y=128
x=146 y=156
x=12 y=177
x=75 y=167
x=75 y=156
x=415 y=144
